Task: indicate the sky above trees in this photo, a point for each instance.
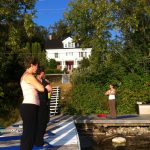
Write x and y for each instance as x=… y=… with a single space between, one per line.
x=50 y=11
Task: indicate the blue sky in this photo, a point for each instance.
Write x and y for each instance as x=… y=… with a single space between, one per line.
x=50 y=11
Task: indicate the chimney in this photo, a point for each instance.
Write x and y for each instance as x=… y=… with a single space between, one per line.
x=50 y=37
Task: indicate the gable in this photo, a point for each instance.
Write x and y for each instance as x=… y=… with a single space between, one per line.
x=68 y=43
x=68 y=39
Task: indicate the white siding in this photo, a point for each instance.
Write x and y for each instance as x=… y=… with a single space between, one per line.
x=68 y=54
x=75 y=55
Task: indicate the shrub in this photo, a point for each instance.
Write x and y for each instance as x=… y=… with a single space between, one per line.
x=87 y=99
x=132 y=89
x=53 y=71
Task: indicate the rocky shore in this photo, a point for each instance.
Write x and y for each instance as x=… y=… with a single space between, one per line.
x=135 y=137
x=128 y=131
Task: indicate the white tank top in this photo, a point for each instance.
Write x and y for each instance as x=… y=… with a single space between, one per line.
x=111 y=95
x=30 y=94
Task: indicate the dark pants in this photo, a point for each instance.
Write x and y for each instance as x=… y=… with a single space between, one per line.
x=112 y=107
x=42 y=124
x=29 y=117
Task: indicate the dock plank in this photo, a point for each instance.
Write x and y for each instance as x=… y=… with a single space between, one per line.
x=63 y=134
x=130 y=120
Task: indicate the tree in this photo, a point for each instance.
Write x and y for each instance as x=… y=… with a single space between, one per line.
x=40 y=36
x=40 y=54
x=14 y=33
x=84 y=63
x=93 y=22
x=59 y=30
x=121 y=58
x=133 y=20
x=52 y=64
x=17 y=29
x=90 y=21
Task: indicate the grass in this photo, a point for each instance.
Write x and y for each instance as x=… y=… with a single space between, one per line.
x=65 y=88
x=65 y=94
x=10 y=118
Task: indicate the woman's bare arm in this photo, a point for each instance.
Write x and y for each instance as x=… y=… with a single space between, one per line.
x=32 y=80
x=49 y=88
x=107 y=92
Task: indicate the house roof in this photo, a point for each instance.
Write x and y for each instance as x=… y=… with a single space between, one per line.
x=58 y=43
x=53 y=44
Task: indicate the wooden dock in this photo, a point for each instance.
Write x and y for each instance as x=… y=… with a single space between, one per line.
x=65 y=133
x=61 y=135
x=122 y=120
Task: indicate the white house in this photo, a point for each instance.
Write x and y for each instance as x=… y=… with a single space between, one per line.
x=66 y=53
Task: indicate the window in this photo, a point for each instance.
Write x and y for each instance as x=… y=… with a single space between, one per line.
x=70 y=53
x=69 y=44
x=80 y=54
x=56 y=55
x=72 y=45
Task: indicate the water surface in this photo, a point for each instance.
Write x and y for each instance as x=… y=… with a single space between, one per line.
x=133 y=143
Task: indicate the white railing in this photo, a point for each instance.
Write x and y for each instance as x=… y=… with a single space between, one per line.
x=54 y=101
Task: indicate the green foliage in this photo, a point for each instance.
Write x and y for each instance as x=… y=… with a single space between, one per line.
x=29 y=25
x=35 y=50
x=52 y=67
x=59 y=30
x=82 y=76
x=1 y=92
x=10 y=117
x=53 y=71
x=18 y=37
x=133 y=88
x=84 y=63
x=52 y=64
x=40 y=54
x=40 y=36
x=11 y=99
x=121 y=58
x=87 y=99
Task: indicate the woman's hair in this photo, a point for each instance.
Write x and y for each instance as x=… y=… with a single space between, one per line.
x=39 y=70
x=111 y=84
x=30 y=60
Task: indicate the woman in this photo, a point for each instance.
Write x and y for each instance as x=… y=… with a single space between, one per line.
x=43 y=114
x=30 y=104
x=112 y=103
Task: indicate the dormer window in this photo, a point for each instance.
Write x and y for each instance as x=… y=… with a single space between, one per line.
x=68 y=43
